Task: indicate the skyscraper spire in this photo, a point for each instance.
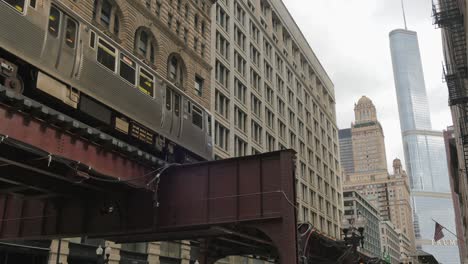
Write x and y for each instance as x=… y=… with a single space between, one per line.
x=404 y=15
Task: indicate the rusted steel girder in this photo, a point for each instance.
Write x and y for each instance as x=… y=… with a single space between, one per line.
x=39 y=126
x=249 y=199
x=233 y=207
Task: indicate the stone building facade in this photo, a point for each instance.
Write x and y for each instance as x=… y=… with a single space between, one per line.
x=354 y=205
x=390 y=242
x=270 y=93
x=367 y=139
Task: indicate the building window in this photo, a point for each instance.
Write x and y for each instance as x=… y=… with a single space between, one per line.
x=254 y=55
x=222 y=45
x=187 y=8
x=222 y=74
x=254 y=79
x=240 y=90
x=195 y=22
x=292 y=140
x=222 y=18
x=267 y=48
x=279 y=85
x=195 y=43
x=254 y=32
x=169 y=21
x=255 y=151
x=175 y=70
x=281 y=129
x=269 y=94
x=291 y=97
x=240 y=119
x=221 y=136
x=239 y=38
x=270 y=142
x=281 y=107
x=270 y=118
x=240 y=147
x=177 y=28
x=198 y=85
x=221 y=104
x=170 y=249
x=256 y=106
x=203 y=28
x=145 y=44
x=239 y=13
x=300 y=129
x=268 y=71
x=239 y=63
x=292 y=119
x=256 y=131
x=106 y=13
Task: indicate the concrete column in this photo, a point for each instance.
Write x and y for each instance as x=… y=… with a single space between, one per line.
x=185 y=252
x=115 y=253
x=64 y=251
x=154 y=250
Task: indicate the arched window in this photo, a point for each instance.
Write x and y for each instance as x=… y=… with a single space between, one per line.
x=106 y=13
x=145 y=44
x=175 y=70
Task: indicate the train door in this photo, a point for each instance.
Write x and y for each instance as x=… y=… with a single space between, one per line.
x=67 y=56
x=172 y=116
x=61 y=44
x=176 y=115
x=166 y=123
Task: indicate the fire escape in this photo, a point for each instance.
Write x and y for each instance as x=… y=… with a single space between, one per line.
x=448 y=15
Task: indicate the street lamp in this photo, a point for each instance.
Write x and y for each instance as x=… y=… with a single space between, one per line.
x=353 y=230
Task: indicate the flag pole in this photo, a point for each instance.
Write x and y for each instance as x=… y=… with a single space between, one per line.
x=446 y=228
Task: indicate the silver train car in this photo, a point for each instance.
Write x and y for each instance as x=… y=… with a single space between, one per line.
x=49 y=50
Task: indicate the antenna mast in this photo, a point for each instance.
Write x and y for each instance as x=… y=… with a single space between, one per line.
x=404 y=15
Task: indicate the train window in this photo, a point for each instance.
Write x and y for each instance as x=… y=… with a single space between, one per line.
x=168 y=99
x=127 y=69
x=32 y=3
x=106 y=55
x=146 y=82
x=54 y=21
x=70 y=33
x=197 y=117
x=92 y=40
x=16 y=4
x=176 y=104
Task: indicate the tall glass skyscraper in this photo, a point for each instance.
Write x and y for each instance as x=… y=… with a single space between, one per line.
x=424 y=150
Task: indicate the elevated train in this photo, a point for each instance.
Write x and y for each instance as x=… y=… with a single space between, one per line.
x=51 y=54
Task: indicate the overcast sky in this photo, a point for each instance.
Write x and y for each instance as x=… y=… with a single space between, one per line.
x=350 y=38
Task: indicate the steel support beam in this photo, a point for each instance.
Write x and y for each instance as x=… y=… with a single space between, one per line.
x=235 y=206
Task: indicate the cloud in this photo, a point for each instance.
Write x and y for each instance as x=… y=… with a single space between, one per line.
x=350 y=38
